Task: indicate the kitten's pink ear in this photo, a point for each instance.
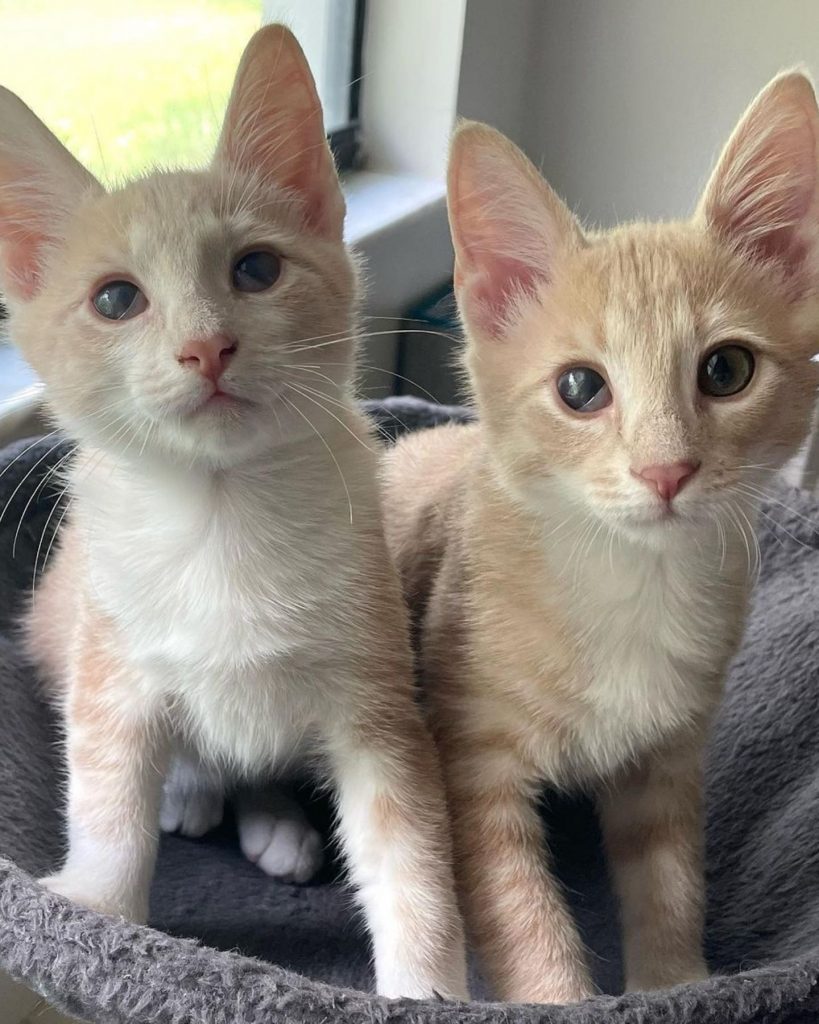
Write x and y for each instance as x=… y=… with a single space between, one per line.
x=509 y=228
x=40 y=186
x=274 y=128
x=764 y=194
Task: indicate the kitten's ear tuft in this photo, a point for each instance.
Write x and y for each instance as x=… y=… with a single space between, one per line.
x=40 y=186
x=274 y=128
x=509 y=228
x=764 y=193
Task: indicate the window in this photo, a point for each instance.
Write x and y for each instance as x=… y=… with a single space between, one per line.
x=127 y=86
x=130 y=85
x=331 y=32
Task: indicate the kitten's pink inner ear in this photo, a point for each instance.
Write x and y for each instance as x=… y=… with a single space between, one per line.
x=274 y=128
x=41 y=186
x=763 y=194
x=492 y=291
x=508 y=228
x=24 y=231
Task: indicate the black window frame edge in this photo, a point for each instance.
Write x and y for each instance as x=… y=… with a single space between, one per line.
x=345 y=142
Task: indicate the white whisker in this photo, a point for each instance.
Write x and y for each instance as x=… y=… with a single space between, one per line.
x=330 y=451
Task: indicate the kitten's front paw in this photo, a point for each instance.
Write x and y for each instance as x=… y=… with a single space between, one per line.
x=658 y=976
x=393 y=983
x=571 y=992
x=77 y=888
x=191 y=812
x=278 y=839
x=554 y=987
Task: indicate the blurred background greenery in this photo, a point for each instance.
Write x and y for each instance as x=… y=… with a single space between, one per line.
x=127 y=85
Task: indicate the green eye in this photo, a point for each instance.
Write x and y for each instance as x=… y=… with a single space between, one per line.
x=583 y=389
x=726 y=371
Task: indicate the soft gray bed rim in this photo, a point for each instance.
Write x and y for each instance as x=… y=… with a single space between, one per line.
x=763 y=854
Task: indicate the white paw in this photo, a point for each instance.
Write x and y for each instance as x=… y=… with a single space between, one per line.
x=413 y=989
x=192 y=812
x=80 y=890
x=407 y=969
x=192 y=798
x=280 y=841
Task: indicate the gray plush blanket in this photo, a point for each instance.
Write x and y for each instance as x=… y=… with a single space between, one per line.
x=228 y=944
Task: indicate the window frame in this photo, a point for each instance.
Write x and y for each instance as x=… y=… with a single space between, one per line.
x=345 y=141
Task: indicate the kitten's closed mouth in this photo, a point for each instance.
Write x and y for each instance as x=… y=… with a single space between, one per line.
x=657 y=515
x=220 y=399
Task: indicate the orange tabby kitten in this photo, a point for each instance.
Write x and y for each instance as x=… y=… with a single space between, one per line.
x=581 y=560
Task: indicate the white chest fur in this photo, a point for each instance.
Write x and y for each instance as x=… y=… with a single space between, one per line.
x=231 y=593
x=652 y=631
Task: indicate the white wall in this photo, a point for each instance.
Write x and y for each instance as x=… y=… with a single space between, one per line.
x=630 y=100
x=412 y=53
x=501 y=45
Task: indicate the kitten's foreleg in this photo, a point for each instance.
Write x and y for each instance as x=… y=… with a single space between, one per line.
x=652 y=824
x=515 y=910
x=394 y=828
x=117 y=752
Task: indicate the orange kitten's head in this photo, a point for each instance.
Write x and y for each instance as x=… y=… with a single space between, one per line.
x=173 y=313
x=656 y=372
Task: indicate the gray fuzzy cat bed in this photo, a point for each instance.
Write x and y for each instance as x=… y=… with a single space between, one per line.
x=230 y=946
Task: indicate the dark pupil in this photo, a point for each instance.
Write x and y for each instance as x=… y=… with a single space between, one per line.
x=115 y=299
x=726 y=371
x=256 y=271
x=578 y=386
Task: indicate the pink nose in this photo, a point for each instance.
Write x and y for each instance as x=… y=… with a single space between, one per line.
x=668 y=480
x=208 y=356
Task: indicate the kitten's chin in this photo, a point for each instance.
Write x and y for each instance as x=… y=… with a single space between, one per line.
x=217 y=439
x=220 y=429
x=221 y=439
x=651 y=529
x=661 y=524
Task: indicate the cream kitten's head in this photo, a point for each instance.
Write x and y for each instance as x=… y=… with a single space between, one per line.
x=184 y=312
x=654 y=373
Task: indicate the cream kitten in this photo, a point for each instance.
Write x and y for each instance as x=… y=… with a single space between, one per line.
x=222 y=588
x=581 y=560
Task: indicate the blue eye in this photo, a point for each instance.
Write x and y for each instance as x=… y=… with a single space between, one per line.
x=583 y=389
x=119 y=300
x=256 y=271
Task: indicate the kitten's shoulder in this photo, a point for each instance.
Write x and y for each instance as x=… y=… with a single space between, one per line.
x=424 y=477
x=426 y=465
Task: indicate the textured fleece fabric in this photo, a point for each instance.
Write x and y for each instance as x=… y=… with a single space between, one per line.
x=229 y=946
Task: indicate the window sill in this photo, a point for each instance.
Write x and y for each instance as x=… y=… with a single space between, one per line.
x=21 y=414
x=379 y=202
x=397 y=221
